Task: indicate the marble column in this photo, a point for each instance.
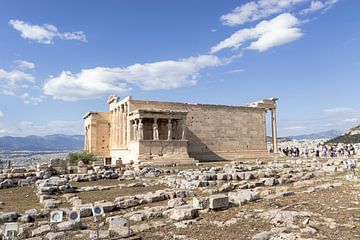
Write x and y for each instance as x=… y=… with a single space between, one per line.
x=169 y=130
x=111 y=140
x=274 y=130
x=126 y=126
x=155 y=130
x=85 y=139
x=120 y=127
x=140 y=130
x=116 y=127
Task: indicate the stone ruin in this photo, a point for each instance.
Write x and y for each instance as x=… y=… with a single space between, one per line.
x=189 y=193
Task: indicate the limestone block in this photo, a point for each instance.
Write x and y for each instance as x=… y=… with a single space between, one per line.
x=85 y=209
x=176 y=202
x=243 y=196
x=200 y=202
x=41 y=230
x=154 y=197
x=329 y=169
x=127 y=203
x=218 y=201
x=55 y=235
x=107 y=206
x=68 y=226
x=51 y=203
x=120 y=226
x=7 y=183
x=184 y=212
x=8 y=217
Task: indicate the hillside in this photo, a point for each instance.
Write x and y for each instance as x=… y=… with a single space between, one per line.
x=319 y=135
x=46 y=143
x=351 y=136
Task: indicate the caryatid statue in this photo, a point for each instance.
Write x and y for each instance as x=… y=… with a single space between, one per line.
x=169 y=129
x=140 y=130
x=155 y=130
x=135 y=130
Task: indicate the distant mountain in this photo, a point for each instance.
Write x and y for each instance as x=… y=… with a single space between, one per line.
x=351 y=136
x=56 y=142
x=320 y=135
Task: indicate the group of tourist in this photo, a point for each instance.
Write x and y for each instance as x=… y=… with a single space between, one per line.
x=320 y=151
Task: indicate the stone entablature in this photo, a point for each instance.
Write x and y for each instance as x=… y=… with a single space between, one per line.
x=139 y=130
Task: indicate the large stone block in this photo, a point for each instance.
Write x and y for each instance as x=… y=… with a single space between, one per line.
x=243 y=196
x=218 y=201
x=184 y=212
x=119 y=225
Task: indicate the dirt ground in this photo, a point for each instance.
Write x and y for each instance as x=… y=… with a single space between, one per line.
x=19 y=199
x=340 y=204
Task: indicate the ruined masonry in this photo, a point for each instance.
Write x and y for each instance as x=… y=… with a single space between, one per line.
x=150 y=132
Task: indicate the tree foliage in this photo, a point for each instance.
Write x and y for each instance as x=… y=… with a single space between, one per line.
x=84 y=156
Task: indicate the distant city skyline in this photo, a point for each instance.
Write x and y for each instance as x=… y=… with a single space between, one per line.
x=61 y=59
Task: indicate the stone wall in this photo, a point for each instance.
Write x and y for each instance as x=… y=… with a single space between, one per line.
x=97 y=133
x=214 y=130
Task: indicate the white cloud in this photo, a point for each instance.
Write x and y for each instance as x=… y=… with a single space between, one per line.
x=27 y=99
x=1 y=114
x=90 y=83
x=14 y=82
x=45 y=33
x=351 y=120
x=26 y=128
x=256 y=10
x=319 y=5
x=277 y=31
x=339 y=110
x=21 y=64
x=236 y=71
x=295 y=128
x=11 y=81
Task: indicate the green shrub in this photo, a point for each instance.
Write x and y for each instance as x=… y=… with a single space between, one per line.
x=85 y=157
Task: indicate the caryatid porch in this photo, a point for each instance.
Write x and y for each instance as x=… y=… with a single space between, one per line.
x=158 y=133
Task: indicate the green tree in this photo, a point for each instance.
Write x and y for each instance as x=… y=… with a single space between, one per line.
x=84 y=156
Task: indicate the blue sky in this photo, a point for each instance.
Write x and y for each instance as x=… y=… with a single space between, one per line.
x=60 y=59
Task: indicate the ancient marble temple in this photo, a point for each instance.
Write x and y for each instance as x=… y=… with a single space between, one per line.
x=151 y=132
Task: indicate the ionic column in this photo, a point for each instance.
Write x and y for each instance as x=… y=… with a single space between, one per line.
x=169 y=130
x=116 y=127
x=111 y=129
x=155 y=130
x=274 y=130
x=126 y=125
x=119 y=127
x=85 y=139
x=140 y=130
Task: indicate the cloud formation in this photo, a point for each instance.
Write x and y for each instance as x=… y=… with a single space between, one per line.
x=94 y=82
x=337 y=110
x=26 y=128
x=24 y=65
x=15 y=82
x=44 y=33
x=277 y=31
x=257 y=10
x=317 y=5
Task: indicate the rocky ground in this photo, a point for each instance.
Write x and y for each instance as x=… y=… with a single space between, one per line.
x=277 y=199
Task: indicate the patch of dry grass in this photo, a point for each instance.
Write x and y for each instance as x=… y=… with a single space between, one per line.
x=19 y=199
